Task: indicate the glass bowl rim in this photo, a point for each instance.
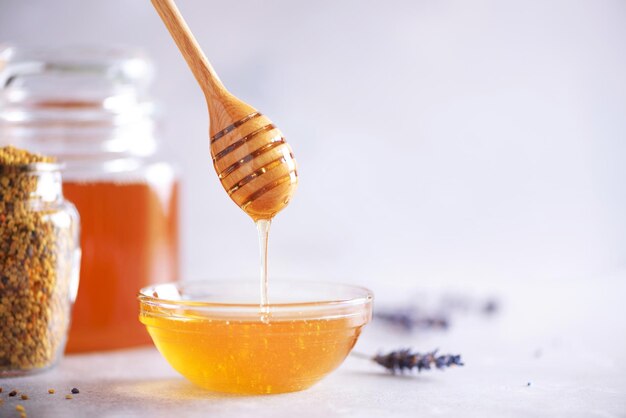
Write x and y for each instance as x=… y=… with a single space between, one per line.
x=363 y=297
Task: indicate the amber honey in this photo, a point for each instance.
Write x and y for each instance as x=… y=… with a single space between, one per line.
x=253 y=356
x=129 y=239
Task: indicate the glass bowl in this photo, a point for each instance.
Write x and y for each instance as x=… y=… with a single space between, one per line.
x=217 y=335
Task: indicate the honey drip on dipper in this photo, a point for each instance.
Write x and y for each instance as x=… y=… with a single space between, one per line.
x=251 y=157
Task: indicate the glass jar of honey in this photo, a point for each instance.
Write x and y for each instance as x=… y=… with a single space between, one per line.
x=89 y=108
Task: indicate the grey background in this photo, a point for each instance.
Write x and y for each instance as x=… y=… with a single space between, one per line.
x=437 y=140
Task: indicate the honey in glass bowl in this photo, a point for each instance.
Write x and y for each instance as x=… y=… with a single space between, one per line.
x=217 y=337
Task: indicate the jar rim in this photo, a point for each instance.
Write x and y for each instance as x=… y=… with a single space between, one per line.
x=116 y=63
x=32 y=167
x=78 y=101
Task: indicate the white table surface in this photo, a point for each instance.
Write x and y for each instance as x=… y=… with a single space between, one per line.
x=568 y=340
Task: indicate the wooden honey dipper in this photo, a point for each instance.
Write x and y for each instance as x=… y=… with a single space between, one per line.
x=252 y=159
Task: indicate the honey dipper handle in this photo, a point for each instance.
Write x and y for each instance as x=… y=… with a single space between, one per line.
x=188 y=46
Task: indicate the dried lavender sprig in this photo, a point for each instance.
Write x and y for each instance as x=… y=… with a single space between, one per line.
x=410 y=320
x=401 y=361
x=463 y=304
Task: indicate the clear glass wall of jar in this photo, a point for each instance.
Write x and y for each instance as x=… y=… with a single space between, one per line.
x=89 y=108
x=39 y=265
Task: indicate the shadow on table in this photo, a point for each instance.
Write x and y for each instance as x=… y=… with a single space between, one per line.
x=169 y=390
x=165 y=389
